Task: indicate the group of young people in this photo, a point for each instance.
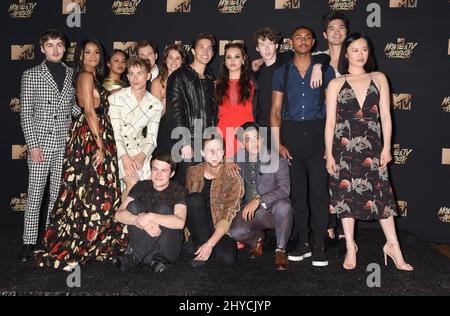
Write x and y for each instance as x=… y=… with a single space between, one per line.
x=297 y=143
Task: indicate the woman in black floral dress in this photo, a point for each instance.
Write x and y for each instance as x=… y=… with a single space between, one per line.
x=357 y=158
x=82 y=226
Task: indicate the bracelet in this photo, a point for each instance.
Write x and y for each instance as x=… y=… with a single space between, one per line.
x=209 y=244
x=102 y=150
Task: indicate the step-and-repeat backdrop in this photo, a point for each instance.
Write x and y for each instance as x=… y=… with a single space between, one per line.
x=412 y=45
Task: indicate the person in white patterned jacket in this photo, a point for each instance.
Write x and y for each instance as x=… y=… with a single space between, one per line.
x=135 y=116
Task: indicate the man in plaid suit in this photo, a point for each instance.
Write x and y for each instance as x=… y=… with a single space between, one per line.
x=48 y=103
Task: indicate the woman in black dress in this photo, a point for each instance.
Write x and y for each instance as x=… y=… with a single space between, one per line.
x=357 y=154
x=82 y=226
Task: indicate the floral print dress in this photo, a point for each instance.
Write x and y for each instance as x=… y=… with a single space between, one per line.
x=82 y=225
x=361 y=190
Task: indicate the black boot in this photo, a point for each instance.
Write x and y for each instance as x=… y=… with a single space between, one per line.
x=292 y=243
x=127 y=263
x=342 y=246
x=331 y=242
x=26 y=254
x=159 y=263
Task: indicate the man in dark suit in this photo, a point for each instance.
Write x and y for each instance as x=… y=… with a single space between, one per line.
x=48 y=103
x=266 y=201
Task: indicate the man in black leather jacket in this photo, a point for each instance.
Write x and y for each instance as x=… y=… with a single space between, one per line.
x=190 y=100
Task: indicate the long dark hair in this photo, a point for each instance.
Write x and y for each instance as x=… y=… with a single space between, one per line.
x=369 y=67
x=164 y=69
x=79 y=67
x=224 y=76
x=114 y=52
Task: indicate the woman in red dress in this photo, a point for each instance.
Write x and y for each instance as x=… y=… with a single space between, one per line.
x=235 y=91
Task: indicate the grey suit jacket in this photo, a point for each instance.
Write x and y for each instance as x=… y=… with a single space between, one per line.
x=273 y=186
x=46 y=112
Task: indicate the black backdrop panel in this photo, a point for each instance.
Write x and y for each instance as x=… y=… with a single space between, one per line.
x=421 y=111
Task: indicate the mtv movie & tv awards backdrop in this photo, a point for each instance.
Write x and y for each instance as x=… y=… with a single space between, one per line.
x=412 y=46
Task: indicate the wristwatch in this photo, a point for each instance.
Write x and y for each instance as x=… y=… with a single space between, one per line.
x=259 y=198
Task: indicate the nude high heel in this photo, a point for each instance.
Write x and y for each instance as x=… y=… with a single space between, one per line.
x=400 y=266
x=346 y=265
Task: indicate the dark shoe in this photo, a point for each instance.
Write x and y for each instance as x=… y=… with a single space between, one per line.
x=319 y=258
x=331 y=242
x=127 y=263
x=292 y=245
x=26 y=254
x=197 y=263
x=281 y=261
x=342 y=247
x=159 y=267
x=159 y=263
x=257 y=252
x=300 y=254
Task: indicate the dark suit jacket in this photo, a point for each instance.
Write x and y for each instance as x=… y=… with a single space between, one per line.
x=273 y=183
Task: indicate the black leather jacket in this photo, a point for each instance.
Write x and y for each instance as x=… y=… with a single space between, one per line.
x=186 y=100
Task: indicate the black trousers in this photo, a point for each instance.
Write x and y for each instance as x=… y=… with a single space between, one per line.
x=180 y=174
x=168 y=245
x=201 y=227
x=336 y=223
x=309 y=179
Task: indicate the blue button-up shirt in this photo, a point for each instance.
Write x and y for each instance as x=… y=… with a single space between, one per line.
x=303 y=100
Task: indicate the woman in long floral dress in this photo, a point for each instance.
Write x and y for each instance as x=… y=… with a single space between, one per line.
x=82 y=226
x=357 y=156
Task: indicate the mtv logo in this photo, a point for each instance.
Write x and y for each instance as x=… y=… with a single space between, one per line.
x=446 y=156
x=223 y=43
x=402 y=208
x=70 y=56
x=70 y=6
x=22 y=52
x=342 y=5
x=179 y=6
x=286 y=45
x=401 y=155
x=18 y=204
x=22 y=9
x=402 y=3
x=15 y=105
x=446 y=105
x=287 y=4
x=187 y=47
x=18 y=152
x=401 y=101
x=444 y=214
x=128 y=47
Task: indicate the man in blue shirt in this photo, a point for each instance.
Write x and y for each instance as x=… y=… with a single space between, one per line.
x=297 y=120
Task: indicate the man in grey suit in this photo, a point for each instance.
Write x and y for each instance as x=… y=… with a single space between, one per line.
x=48 y=103
x=267 y=189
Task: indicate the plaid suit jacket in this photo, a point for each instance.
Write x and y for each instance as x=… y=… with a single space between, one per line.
x=46 y=112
